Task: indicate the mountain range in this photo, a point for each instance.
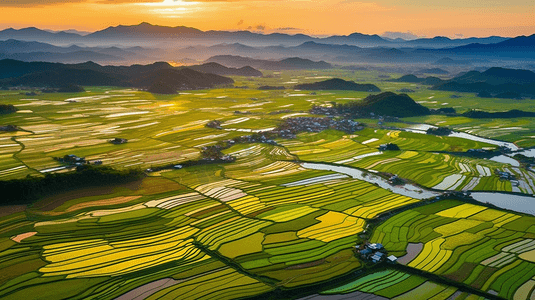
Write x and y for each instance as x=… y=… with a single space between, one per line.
x=146 y=43
x=215 y=68
x=495 y=81
x=519 y=48
x=292 y=63
x=146 y=34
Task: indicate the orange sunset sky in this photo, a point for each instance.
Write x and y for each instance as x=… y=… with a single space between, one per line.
x=452 y=18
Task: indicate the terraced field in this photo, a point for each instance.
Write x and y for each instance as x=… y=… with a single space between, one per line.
x=390 y=284
x=481 y=247
x=289 y=234
x=417 y=160
x=261 y=225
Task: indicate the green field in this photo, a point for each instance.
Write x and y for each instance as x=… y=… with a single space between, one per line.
x=484 y=248
x=261 y=225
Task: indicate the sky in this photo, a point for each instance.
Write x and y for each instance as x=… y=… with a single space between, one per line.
x=451 y=18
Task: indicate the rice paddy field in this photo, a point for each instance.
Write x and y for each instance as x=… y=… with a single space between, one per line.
x=391 y=284
x=484 y=248
x=262 y=226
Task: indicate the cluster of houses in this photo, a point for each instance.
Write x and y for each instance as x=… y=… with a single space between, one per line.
x=454 y=195
x=213 y=153
x=118 y=141
x=282 y=111
x=394 y=179
x=216 y=124
x=324 y=110
x=504 y=175
x=239 y=112
x=375 y=253
x=478 y=151
x=255 y=138
x=76 y=161
x=9 y=128
x=292 y=126
x=389 y=146
x=73 y=159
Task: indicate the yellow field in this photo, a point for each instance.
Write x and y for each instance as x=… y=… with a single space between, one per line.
x=488 y=215
x=247 y=204
x=334 y=225
x=432 y=256
x=246 y=245
x=100 y=258
x=461 y=211
x=407 y=154
x=529 y=256
x=456 y=227
x=463 y=238
x=291 y=214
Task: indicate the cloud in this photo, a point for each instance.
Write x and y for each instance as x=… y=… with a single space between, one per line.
x=240 y=22
x=399 y=35
x=459 y=35
x=287 y=28
x=257 y=28
x=34 y=3
x=31 y=3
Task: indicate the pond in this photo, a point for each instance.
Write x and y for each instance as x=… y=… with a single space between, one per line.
x=504 y=159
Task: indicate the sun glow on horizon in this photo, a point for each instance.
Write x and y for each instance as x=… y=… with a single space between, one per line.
x=170 y=3
x=317 y=18
x=172 y=8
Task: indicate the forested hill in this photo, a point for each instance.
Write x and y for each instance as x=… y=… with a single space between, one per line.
x=40 y=74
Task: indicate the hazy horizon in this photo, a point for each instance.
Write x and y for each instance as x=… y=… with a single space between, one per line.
x=407 y=35
x=317 y=18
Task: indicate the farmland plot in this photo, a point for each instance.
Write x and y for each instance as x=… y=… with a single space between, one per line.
x=482 y=247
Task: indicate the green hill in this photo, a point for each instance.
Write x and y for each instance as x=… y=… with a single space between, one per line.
x=35 y=74
x=338 y=84
x=385 y=104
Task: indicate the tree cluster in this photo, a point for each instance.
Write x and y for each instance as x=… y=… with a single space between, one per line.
x=29 y=189
x=7 y=108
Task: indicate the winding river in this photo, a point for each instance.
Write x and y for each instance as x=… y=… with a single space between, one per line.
x=518 y=203
x=406 y=190
x=422 y=128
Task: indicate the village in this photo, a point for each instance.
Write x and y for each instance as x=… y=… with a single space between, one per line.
x=374 y=253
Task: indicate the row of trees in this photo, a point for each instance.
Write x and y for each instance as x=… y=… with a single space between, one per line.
x=29 y=189
x=7 y=108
